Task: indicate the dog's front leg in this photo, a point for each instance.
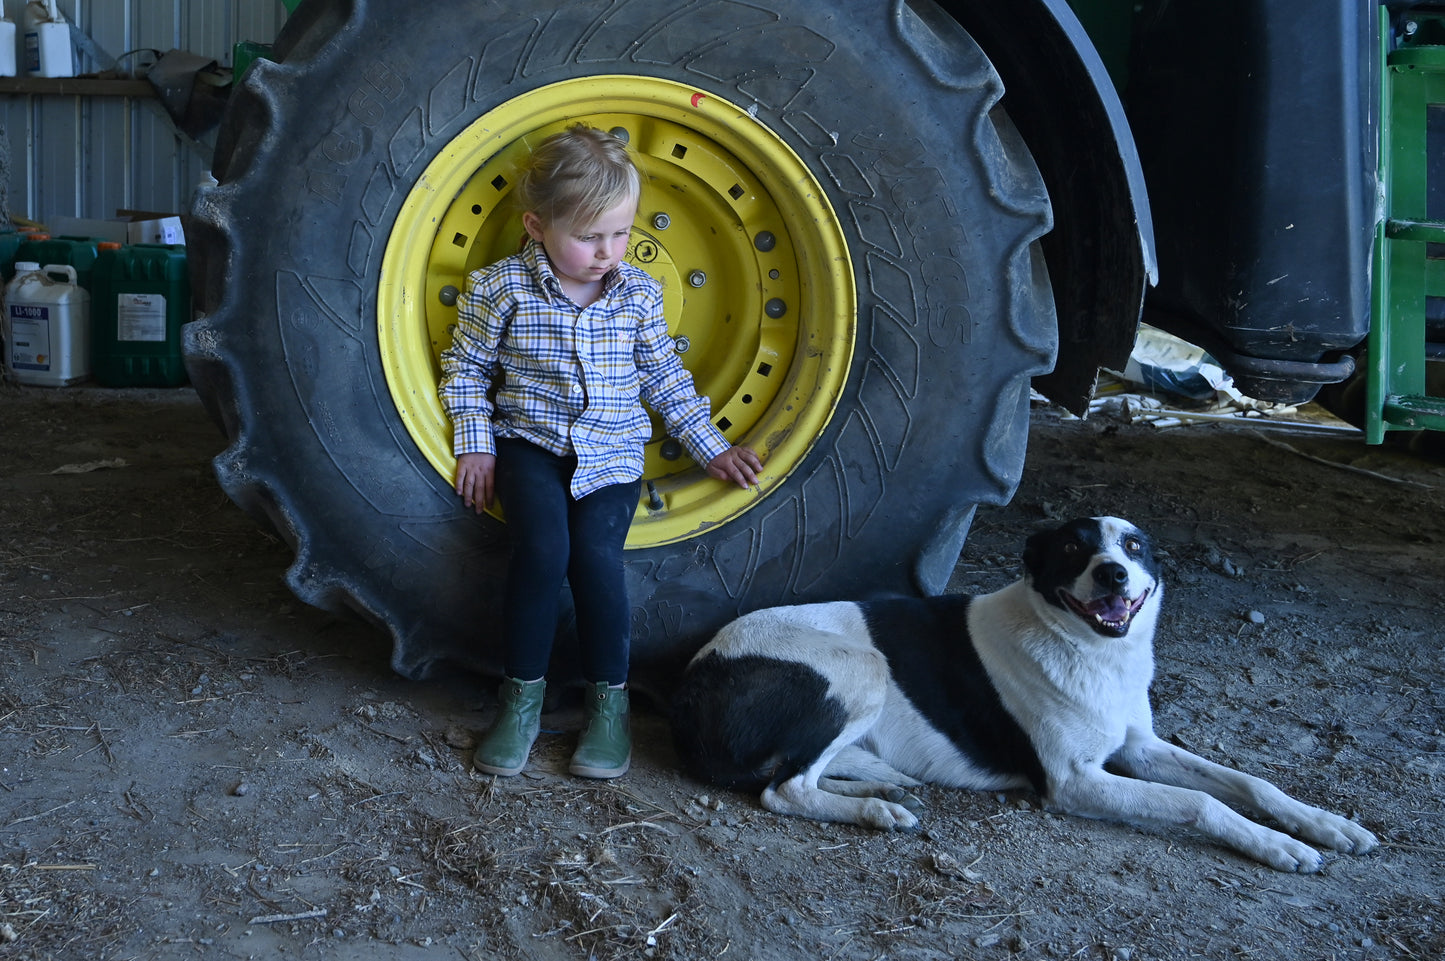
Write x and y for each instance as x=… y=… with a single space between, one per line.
x=1149 y=758
x=1096 y=793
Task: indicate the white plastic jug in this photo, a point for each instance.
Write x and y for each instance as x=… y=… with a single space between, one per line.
x=46 y=40
x=7 y=47
x=47 y=325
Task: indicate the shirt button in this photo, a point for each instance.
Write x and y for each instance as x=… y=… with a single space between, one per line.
x=576 y=388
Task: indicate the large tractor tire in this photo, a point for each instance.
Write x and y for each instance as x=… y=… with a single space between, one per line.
x=843 y=219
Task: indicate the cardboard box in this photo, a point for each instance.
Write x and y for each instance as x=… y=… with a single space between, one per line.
x=84 y=227
x=145 y=227
x=129 y=227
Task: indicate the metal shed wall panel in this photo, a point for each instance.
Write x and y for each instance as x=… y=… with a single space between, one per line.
x=74 y=156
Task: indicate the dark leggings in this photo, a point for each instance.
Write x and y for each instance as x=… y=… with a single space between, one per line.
x=554 y=536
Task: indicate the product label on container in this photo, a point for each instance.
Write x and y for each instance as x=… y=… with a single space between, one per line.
x=140 y=317
x=29 y=337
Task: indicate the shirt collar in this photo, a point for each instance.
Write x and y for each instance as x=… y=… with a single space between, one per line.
x=535 y=257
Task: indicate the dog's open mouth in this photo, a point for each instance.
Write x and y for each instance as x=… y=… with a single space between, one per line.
x=1110 y=614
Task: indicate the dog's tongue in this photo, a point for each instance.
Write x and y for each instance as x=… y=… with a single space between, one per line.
x=1111 y=608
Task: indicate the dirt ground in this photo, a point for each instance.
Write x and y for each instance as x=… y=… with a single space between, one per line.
x=194 y=763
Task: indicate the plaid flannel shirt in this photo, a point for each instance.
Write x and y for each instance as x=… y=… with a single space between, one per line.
x=569 y=379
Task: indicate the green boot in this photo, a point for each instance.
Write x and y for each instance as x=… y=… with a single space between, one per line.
x=504 y=749
x=605 y=749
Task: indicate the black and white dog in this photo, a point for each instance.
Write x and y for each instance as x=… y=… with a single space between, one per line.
x=831 y=710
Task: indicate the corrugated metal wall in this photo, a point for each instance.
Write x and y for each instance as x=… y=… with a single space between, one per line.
x=86 y=156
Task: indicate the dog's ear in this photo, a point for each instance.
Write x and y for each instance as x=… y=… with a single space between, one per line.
x=1035 y=549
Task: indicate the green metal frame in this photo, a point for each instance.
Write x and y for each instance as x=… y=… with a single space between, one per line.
x=247 y=52
x=1413 y=81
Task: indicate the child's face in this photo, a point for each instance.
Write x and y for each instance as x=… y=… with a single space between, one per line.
x=582 y=254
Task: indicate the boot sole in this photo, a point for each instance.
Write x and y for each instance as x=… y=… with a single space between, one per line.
x=601 y=773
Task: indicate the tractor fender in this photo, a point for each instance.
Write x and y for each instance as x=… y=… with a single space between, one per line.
x=1101 y=253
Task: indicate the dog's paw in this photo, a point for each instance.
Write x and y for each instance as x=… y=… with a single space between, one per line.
x=1287 y=854
x=1361 y=840
x=886 y=815
x=899 y=796
x=1334 y=832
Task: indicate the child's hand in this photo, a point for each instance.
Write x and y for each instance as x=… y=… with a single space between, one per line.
x=737 y=464
x=475 y=476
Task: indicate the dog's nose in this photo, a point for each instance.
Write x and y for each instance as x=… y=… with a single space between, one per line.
x=1111 y=575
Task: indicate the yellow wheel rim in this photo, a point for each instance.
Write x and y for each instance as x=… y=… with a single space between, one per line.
x=758 y=286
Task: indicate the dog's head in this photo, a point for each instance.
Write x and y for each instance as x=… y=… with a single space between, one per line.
x=1101 y=570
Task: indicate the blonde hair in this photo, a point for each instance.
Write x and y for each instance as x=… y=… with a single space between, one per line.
x=575 y=176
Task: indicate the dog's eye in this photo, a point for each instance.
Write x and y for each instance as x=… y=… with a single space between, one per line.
x=1072 y=547
x=1133 y=545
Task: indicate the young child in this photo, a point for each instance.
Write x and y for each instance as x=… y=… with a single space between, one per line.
x=570 y=338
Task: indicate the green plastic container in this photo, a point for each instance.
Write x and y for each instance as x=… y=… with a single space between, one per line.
x=10 y=241
x=140 y=297
x=77 y=252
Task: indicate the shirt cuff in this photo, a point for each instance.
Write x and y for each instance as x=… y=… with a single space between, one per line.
x=707 y=444
x=472 y=434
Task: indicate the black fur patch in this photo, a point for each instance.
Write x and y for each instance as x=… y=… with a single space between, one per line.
x=748 y=722
x=932 y=657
